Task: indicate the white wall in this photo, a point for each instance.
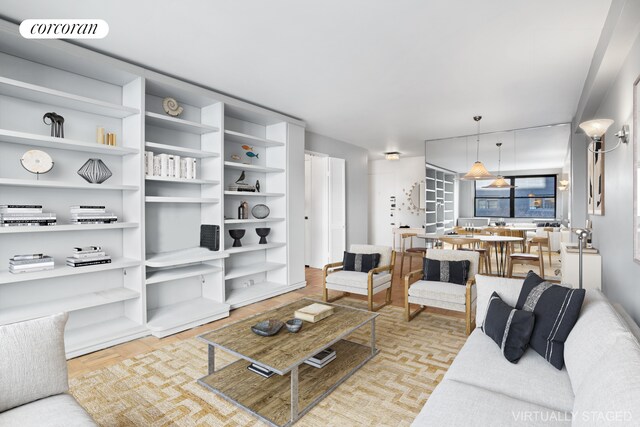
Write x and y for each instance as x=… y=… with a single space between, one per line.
x=392 y=178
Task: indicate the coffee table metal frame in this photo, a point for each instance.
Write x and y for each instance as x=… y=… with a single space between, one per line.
x=296 y=412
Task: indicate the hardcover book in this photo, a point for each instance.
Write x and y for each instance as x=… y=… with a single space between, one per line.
x=314 y=312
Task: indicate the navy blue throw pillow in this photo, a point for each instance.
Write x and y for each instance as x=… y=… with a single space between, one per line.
x=360 y=262
x=509 y=328
x=446 y=271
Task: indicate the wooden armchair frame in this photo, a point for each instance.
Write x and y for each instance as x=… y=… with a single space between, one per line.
x=337 y=266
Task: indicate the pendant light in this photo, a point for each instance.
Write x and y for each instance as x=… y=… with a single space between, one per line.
x=500 y=182
x=478 y=171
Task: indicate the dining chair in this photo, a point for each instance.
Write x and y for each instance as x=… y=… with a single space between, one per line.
x=527 y=258
x=410 y=251
x=543 y=240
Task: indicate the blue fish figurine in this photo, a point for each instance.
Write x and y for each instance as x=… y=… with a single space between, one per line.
x=252 y=154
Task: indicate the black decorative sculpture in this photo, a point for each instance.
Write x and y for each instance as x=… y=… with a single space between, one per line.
x=56 y=123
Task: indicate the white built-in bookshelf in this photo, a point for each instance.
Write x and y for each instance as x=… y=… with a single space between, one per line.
x=160 y=280
x=440 y=196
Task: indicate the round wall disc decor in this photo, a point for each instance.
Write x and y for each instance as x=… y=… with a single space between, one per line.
x=36 y=161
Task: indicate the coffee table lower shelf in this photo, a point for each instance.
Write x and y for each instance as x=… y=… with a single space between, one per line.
x=269 y=398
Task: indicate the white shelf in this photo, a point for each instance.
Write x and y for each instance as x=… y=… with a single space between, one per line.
x=181 y=151
x=258 y=292
x=243 y=138
x=251 y=221
x=181 y=180
x=64 y=184
x=183 y=256
x=159 y=199
x=180 y=273
x=65 y=270
x=251 y=168
x=44 y=95
x=181 y=125
x=51 y=142
x=252 y=194
x=235 y=272
x=72 y=303
x=68 y=227
x=256 y=247
x=97 y=336
x=169 y=319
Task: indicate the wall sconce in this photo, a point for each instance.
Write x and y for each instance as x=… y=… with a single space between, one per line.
x=392 y=155
x=563 y=184
x=595 y=129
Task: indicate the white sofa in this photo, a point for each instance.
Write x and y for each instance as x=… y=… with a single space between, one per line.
x=599 y=384
x=33 y=376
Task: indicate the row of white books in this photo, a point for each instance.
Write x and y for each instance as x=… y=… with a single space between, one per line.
x=88 y=255
x=25 y=215
x=30 y=263
x=170 y=166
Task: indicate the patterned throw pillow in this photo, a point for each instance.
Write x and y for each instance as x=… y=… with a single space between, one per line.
x=360 y=262
x=508 y=327
x=556 y=309
x=446 y=271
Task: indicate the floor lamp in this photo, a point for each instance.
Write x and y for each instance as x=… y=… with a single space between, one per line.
x=582 y=234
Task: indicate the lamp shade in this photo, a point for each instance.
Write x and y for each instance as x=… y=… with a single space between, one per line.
x=500 y=182
x=596 y=128
x=477 y=172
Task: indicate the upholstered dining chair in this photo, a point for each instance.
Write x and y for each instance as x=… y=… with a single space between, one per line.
x=362 y=283
x=449 y=296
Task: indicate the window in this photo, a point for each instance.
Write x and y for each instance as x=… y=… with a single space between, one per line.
x=533 y=197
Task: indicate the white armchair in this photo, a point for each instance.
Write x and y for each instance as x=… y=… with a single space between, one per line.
x=449 y=296
x=369 y=283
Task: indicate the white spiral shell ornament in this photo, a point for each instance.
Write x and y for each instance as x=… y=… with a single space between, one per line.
x=171 y=107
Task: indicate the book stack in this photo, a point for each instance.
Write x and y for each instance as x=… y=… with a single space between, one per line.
x=260 y=370
x=25 y=215
x=314 y=312
x=89 y=255
x=169 y=165
x=321 y=359
x=30 y=263
x=242 y=187
x=85 y=214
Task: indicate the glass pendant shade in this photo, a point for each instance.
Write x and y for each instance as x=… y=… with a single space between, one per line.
x=478 y=172
x=596 y=128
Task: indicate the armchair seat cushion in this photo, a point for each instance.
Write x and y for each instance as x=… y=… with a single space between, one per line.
x=441 y=291
x=355 y=279
x=55 y=411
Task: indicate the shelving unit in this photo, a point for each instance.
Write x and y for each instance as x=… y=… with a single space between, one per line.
x=182 y=151
x=181 y=125
x=440 y=199
x=198 y=200
x=75 y=185
x=252 y=220
x=68 y=227
x=35 y=140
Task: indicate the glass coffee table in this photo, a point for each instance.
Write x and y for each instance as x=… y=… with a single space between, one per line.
x=296 y=387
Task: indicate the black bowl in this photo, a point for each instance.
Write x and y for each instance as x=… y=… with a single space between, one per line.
x=263 y=233
x=237 y=234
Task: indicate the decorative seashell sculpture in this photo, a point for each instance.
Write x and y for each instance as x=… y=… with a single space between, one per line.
x=171 y=107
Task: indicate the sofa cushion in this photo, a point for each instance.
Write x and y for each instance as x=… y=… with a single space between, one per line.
x=446 y=271
x=556 y=309
x=532 y=379
x=360 y=262
x=32 y=360
x=456 y=404
x=633 y=326
x=508 y=289
x=384 y=251
x=595 y=332
x=356 y=279
x=55 y=411
x=610 y=394
x=508 y=327
x=441 y=291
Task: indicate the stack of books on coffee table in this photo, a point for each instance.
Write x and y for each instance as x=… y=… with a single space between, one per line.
x=321 y=359
x=85 y=214
x=30 y=263
x=89 y=255
x=314 y=312
x=25 y=215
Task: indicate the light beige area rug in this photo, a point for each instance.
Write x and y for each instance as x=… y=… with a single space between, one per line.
x=159 y=388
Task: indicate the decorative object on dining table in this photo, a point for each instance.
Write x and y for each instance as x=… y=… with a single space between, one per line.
x=210 y=237
x=260 y=211
x=258 y=185
x=56 y=121
x=263 y=233
x=95 y=171
x=171 y=107
x=294 y=325
x=36 y=162
x=267 y=328
x=236 y=235
x=314 y=312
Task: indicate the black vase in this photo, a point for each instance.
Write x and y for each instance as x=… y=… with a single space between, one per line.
x=237 y=235
x=263 y=233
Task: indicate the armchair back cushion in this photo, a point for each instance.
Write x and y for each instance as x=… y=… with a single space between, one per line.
x=33 y=364
x=451 y=255
x=446 y=271
x=384 y=251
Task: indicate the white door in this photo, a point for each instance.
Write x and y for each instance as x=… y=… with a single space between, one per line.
x=318 y=212
x=337 y=209
x=307 y=209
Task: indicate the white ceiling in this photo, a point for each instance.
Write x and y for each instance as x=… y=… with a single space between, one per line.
x=384 y=74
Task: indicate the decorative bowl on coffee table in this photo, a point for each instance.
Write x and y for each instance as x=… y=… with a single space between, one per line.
x=263 y=233
x=267 y=328
x=237 y=235
x=293 y=325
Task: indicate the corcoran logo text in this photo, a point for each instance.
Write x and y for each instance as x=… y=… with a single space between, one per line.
x=64 y=29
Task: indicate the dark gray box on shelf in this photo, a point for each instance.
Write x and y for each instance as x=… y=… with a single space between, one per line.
x=210 y=236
